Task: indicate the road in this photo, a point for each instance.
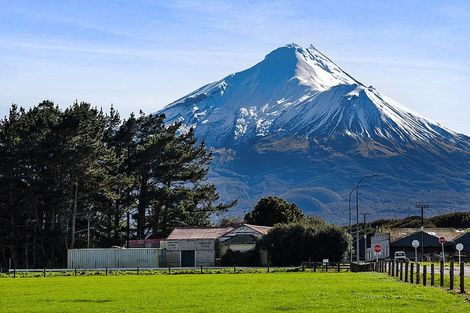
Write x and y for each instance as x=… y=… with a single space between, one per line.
x=457 y=270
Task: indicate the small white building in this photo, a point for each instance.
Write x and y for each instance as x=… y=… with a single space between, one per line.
x=244 y=238
x=192 y=246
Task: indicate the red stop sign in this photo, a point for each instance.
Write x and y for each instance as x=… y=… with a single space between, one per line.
x=442 y=240
x=377 y=248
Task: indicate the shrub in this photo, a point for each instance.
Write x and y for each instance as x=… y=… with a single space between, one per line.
x=291 y=244
x=240 y=258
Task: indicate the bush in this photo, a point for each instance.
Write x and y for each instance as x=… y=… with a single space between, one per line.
x=292 y=244
x=239 y=258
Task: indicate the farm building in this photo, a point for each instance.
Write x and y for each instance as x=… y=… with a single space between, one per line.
x=196 y=246
x=242 y=238
x=192 y=246
x=114 y=258
x=465 y=240
x=400 y=239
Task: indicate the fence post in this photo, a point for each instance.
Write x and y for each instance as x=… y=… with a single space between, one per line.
x=75 y=271
x=339 y=267
x=201 y=269
x=417 y=273
x=397 y=269
x=406 y=271
x=268 y=267
x=424 y=275
x=393 y=268
x=169 y=270
x=44 y=272
x=442 y=274
x=462 y=277
x=411 y=272
x=432 y=274
x=451 y=285
x=138 y=272
x=234 y=269
x=401 y=270
x=14 y=272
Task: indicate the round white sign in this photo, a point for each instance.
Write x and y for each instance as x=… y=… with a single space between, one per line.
x=459 y=247
x=415 y=243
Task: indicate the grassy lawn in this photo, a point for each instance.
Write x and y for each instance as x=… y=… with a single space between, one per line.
x=274 y=292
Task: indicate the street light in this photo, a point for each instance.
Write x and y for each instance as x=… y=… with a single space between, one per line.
x=357 y=212
x=350 y=220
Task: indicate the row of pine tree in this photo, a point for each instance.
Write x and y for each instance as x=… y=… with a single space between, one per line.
x=78 y=177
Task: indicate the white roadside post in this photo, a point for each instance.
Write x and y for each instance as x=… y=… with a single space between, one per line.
x=415 y=244
x=459 y=248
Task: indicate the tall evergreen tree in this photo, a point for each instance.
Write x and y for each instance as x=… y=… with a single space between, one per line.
x=78 y=177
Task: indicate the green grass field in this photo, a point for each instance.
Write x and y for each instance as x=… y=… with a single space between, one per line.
x=274 y=292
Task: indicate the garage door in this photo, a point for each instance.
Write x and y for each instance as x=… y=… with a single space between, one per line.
x=188 y=258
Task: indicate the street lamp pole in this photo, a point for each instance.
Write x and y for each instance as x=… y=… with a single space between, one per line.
x=350 y=221
x=357 y=213
x=350 y=225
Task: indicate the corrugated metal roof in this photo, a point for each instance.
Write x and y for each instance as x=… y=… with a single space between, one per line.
x=198 y=233
x=240 y=239
x=398 y=233
x=261 y=229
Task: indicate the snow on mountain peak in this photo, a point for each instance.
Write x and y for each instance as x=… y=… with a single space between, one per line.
x=300 y=91
x=310 y=66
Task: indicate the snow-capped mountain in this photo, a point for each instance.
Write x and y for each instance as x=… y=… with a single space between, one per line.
x=298 y=125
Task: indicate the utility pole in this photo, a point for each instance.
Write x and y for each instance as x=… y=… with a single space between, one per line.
x=128 y=230
x=422 y=206
x=365 y=234
x=88 y=231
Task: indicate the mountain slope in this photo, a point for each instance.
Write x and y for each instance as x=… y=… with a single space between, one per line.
x=297 y=125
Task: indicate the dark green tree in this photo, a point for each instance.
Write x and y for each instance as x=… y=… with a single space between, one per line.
x=294 y=243
x=170 y=170
x=273 y=210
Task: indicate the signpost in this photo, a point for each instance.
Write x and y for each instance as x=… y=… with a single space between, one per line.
x=442 y=241
x=377 y=249
x=415 y=244
x=459 y=248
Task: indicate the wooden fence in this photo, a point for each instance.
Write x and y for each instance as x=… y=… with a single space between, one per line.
x=425 y=274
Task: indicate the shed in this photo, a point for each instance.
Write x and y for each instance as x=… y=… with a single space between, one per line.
x=465 y=240
x=242 y=238
x=192 y=246
x=113 y=258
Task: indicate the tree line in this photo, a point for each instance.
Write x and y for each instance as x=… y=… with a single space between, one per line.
x=78 y=177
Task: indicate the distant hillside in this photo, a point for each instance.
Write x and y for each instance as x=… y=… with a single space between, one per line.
x=455 y=220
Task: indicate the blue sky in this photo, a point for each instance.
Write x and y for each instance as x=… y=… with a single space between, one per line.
x=143 y=54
